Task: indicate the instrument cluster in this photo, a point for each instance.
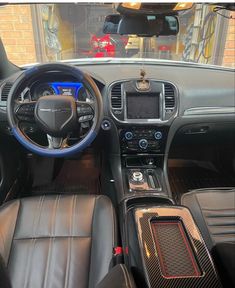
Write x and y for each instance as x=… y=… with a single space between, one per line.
x=74 y=89
x=55 y=84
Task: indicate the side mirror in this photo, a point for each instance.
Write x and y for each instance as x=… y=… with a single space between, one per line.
x=141 y=25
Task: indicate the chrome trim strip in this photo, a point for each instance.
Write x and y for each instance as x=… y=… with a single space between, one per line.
x=209 y=110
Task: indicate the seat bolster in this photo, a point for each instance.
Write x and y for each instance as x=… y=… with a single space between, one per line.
x=4 y=277
x=191 y=202
x=104 y=237
x=8 y=219
x=224 y=256
x=118 y=277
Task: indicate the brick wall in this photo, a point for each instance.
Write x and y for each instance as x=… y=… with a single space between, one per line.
x=16 y=33
x=229 y=51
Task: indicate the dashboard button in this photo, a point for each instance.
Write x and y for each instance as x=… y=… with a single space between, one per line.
x=158 y=135
x=143 y=143
x=129 y=135
x=106 y=125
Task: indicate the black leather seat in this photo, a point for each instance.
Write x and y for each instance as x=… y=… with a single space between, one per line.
x=57 y=241
x=214 y=213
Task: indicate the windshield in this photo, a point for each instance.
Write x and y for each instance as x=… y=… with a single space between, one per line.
x=37 y=33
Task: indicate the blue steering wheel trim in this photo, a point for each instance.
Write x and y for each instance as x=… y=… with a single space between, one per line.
x=54 y=152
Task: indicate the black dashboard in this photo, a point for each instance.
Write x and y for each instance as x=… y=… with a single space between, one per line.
x=143 y=114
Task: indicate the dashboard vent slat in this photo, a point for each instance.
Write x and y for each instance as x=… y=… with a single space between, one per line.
x=116 y=96
x=5 y=91
x=169 y=96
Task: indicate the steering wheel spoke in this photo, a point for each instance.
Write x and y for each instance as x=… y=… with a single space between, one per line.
x=25 y=111
x=85 y=111
x=56 y=142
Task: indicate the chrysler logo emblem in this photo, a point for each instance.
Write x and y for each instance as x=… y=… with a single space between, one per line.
x=63 y=110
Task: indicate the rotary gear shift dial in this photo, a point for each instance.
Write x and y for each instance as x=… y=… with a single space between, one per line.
x=137 y=176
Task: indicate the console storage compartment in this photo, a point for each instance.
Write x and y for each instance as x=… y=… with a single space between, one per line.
x=165 y=247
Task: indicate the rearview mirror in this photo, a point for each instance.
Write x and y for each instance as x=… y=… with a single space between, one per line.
x=141 y=25
x=111 y=23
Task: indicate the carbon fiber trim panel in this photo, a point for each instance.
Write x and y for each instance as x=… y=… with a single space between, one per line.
x=150 y=256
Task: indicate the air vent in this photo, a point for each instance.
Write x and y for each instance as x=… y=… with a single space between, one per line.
x=169 y=96
x=5 y=91
x=116 y=96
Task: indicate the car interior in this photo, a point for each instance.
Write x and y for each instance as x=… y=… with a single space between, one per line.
x=118 y=172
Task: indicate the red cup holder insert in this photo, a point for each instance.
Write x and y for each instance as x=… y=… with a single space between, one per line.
x=175 y=252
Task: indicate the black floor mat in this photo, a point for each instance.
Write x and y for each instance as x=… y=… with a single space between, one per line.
x=75 y=177
x=184 y=179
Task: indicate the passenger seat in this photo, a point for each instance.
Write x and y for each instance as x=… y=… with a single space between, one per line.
x=214 y=212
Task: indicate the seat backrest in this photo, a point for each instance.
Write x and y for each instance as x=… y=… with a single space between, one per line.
x=57 y=241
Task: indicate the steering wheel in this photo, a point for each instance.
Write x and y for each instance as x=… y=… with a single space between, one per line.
x=56 y=115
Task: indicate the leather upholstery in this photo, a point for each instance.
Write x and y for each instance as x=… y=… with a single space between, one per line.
x=118 y=277
x=4 y=277
x=214 y=212
x=57 y=241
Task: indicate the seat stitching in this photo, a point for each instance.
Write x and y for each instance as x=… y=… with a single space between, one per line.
x=3 y=241
x=220 y=216
x=221 y=225
x=227 y=209
x=53 y=222
x=223 y=233
x=29 y=260
x=69 y=260
x=92 y=222
x=16 y=222
x=125 y=277
x=48 y=237
x=40 y=212
x=40 y=205
x=204 y=190
x=47 y=264
x=75 y=204
x=69 y=244
x=51 y=240
x=229 y=242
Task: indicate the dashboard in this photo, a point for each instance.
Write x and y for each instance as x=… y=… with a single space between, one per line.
x=144 y=116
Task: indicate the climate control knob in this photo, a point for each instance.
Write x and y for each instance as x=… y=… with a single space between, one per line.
x=158 y=135
x=128 y=135
x=143 y=143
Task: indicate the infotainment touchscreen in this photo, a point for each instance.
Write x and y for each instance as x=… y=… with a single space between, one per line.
x=142 y=106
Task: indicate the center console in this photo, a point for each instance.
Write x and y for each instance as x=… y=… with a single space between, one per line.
x=143 y=110
x=144 y=139
x=165 y=247
x=143 y=180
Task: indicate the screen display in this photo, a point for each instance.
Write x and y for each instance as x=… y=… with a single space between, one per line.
x=142 y=106
x=67 y=88
x=67 y=91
